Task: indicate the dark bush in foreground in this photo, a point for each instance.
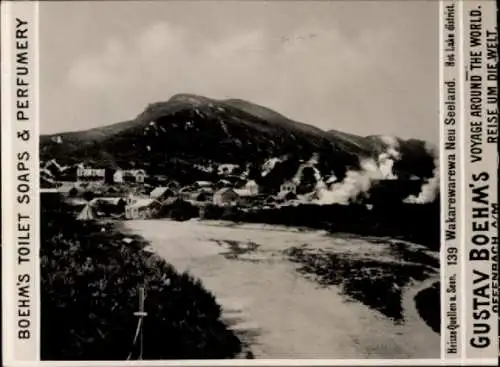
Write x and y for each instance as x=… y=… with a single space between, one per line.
x=428 y=303
x=89 y=294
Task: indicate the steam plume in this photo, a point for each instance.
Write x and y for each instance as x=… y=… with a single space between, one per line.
x=430 y=189
x=386 y=159
x=354 y=184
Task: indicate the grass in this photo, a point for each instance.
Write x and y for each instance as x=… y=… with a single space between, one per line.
x=90 y=277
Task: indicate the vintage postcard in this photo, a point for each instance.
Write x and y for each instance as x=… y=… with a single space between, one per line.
x=249 y=182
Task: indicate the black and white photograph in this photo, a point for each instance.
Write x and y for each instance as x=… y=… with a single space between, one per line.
x=239 y=180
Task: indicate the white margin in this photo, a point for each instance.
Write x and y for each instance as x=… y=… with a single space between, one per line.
x=7 y=198
x=7 y=224
x=442 y=128
x=461 y=126
x=272 y=362
x=36 y=180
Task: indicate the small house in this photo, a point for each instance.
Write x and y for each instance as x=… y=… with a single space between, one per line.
x=134 y=197
x=118 y=176
x=252 y=187
x=226 y=197
x=134 y=175
x=87 y=173
x=142 y=209
x=288 y=186
x=227 y=169
x=139 y=175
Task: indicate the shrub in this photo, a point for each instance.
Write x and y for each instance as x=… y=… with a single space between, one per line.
x=213 y=212
x=428 y=304
x=89 y=294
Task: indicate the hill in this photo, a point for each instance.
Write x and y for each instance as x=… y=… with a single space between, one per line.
x=172 y=137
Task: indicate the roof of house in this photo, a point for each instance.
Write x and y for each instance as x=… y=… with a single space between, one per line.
x=66 y=188
x=159 y=191
x=48 y=191
x=331 y=179
x=203 y=183
x=50 y=180
x=225 y=190
x=53 y=162
x=243 y=192
x=76 y=202
x=251 y=183
x=186 y=189
x=45 y=171
x=142 y=203
x=170 y=200
x=284 y=194
x=110 y=200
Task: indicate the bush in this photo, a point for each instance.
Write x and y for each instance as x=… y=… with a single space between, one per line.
x=428 y=303
x=212 y=212
x=89 y=294
x=179 y=210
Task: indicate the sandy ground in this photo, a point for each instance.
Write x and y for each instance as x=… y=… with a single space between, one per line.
x=276 y=310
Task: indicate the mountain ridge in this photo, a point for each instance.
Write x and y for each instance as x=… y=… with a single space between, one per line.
x=195 y=129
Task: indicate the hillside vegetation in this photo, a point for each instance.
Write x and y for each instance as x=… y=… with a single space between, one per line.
x=170 y=137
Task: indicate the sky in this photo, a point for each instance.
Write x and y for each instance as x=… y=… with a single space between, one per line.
x=363 y=67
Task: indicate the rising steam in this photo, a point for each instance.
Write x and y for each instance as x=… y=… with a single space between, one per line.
x=358 y=183
x=386 y=159
x=354 y=184
x=429 y=190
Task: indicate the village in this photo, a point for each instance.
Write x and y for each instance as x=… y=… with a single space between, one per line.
x=133 y=194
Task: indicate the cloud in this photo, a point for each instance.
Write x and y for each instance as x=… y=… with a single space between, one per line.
x=244 y=64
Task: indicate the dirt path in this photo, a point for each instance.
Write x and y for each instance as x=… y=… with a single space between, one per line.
x=278 y=312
